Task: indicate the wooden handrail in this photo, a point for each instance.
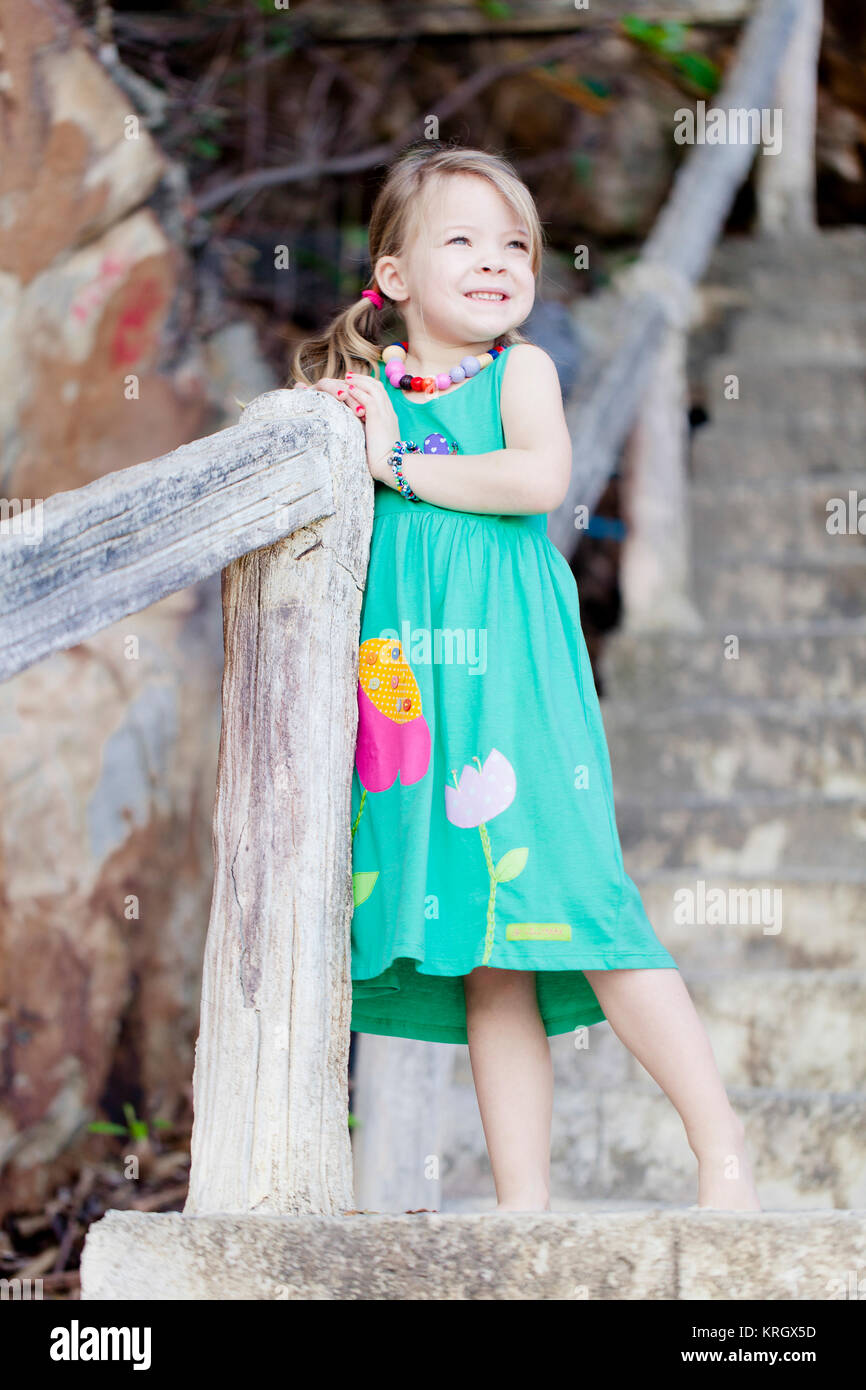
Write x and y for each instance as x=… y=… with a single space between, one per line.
x=602 y=410
x=81 y=560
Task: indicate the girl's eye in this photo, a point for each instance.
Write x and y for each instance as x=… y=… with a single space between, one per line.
x=515 y=242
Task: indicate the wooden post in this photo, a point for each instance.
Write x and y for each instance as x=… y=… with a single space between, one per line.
x=401 y=1101
x=786 y=181
x=270 y=1132
x=655 y=565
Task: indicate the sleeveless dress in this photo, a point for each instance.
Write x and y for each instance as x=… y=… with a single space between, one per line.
x=482 y=803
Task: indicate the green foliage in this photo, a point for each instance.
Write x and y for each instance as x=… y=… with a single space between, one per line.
x=495 y=9
x=134 y=1127
x=670 y=40
x=204 y=148
x=700 y=71
x=581 y=163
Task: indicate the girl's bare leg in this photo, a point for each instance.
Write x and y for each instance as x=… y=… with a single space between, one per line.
x=652 y=1012
x=513 y=1074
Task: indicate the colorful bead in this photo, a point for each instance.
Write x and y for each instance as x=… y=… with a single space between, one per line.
x=394 y=357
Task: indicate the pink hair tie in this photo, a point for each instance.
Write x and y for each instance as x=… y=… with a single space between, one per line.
x=374 y=297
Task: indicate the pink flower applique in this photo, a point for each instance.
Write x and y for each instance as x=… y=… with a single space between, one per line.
x=393 y=735
x=476 y=798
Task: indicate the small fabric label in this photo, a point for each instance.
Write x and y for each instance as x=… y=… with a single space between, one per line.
x=538 y=931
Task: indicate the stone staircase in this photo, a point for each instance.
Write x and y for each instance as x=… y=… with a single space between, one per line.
x=745 y=774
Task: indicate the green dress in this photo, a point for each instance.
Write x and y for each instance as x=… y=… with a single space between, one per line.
x=482 y=805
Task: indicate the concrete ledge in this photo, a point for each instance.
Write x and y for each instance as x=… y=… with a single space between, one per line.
x=651 y=1254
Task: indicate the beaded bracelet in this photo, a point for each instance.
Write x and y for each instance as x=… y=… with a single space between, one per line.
x=395 y=458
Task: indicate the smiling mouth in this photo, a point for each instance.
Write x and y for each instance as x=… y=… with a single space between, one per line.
x=487 y=296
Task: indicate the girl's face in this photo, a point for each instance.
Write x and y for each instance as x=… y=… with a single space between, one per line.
x=469 y=240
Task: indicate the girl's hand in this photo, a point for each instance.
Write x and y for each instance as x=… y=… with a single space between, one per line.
x=368 y=400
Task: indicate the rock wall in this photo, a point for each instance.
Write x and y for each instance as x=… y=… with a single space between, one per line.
x=107 y=751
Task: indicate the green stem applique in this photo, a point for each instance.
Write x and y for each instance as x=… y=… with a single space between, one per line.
x=362 y=881
x=360 y=809
x=491 y=917
x=510 y=865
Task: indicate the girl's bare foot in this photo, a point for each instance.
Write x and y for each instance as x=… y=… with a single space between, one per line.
x=725 y=1179
x=520 y=1206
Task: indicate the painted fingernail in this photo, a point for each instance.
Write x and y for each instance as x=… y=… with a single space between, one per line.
x=349 y=376
x=341 y=393
x=359 y=410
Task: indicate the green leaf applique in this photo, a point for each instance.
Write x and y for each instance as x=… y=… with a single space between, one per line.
x=363 y=884
x=510 y=865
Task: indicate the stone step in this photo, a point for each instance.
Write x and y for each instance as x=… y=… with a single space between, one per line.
x=822 y=339
x=814 y=517
x=744 y=835
x=792 y=1030
x=832 y=259
x=601 y=1253
x=779 y=445
x=819 y=393
x=711 y=747
x=759 y=588
x=823 y=918
x=816 y=661
x=486 y=1201
x=627 y=1140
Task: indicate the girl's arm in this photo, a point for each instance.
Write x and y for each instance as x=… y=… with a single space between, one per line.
x=531 y=474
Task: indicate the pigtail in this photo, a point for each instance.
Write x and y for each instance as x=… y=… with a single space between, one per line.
x=350 y=343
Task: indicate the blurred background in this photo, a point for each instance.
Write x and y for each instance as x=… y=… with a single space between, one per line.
x=184 y=194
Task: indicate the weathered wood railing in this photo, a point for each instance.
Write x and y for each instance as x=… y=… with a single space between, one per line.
x=283 y=501
x=78 y=561
x=270 y=1082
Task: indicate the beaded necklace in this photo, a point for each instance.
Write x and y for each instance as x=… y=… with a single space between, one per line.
x=394 y=357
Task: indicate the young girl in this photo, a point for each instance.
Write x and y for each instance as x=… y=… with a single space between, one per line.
x=491 y=903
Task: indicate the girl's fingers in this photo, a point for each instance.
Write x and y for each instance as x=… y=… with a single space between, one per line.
x=357 y=398
x=356 y=392
x=329 y=386
x=352 y=401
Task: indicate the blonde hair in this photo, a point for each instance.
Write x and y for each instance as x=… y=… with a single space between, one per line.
x=350 y=341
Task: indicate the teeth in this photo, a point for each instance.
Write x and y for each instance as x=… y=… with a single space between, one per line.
x=486 y=294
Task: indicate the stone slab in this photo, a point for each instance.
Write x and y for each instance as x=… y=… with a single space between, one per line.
x=623 y=1255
